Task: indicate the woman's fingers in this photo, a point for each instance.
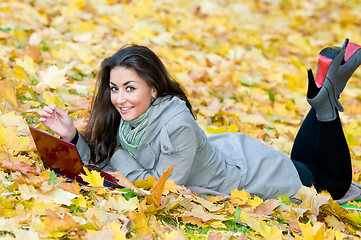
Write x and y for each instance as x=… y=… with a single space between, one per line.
x=47 y=111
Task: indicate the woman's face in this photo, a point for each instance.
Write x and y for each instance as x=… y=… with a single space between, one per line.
x=129 y=93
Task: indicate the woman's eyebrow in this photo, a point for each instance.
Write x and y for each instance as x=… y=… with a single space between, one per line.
x=127 y=82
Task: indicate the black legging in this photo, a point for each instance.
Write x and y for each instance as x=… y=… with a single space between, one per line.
x=322 y=147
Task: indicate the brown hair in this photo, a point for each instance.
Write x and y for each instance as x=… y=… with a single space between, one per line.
x=102 y=128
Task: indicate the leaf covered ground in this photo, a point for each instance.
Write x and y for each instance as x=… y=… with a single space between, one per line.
x=244 y=66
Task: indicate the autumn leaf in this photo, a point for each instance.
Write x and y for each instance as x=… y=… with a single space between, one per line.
x=156 y=191
x=239 y=197
x=52 y=78
x=141 y=226
x=55 y=223
x=17 y=166
x=311 y=231
x=8 y=94
x=123 y=181
x=261 y=227
x=118 y=233
x=92 y=177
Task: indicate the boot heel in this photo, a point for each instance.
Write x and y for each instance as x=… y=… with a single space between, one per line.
x=352 y=61
x=325 y=102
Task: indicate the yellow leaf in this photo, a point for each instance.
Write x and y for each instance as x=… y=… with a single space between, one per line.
x=80 y=202
x=141 y=226
x=240 y=197
x=27 y=63
x=261 y=227
x=92 y=177
x=121 y=204
x=145 y=184
x=8 y=94
x=256 y=201
x=11 y=141
x=52 y=98
x=333 y=222
x=13 y=120
x=118 y=233
x=52 y=78
x=311 y=231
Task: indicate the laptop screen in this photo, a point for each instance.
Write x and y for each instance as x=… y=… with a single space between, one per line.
x=57 y=154
x=64 y=159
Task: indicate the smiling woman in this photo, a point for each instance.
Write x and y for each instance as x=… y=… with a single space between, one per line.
x=142 y=123
x=129 y=93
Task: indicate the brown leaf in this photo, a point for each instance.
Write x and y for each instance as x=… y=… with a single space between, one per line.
x=266 y=208
x=71 y=187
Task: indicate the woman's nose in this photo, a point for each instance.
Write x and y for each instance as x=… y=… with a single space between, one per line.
x=121 y=97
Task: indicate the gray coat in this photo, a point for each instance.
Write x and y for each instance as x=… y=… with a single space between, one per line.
x=221 y=162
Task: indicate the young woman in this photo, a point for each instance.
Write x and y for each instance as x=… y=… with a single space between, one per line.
x=142 y=122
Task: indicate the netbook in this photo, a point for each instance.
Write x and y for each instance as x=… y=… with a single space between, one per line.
x=63 y=158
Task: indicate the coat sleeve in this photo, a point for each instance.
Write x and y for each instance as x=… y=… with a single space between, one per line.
x=83 y=149
x=177 y=146
x=124 y=162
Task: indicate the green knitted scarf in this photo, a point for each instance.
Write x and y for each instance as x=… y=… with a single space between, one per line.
x=131 y=132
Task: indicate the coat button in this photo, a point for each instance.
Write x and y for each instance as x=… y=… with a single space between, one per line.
x=165 y=147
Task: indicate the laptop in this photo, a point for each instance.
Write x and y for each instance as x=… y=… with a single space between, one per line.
x=63 y=158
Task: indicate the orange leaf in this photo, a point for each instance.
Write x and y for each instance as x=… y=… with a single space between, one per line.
x=157 y=190
x=54 y=222
x=141 y=226
x=17 y=166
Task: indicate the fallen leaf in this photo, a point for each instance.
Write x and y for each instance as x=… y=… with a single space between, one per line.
x=93 y=178
x=52 y=78
x=156 y=191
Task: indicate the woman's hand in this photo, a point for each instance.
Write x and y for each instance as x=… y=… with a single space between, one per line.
x=58 y=121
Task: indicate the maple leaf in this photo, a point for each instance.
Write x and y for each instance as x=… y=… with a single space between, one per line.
x=121 y=204
x=239 y=197
x=55 y=223
x=52 y=78
x=141 y=226
x=311 y=231
x=118 y=233
x=145 y=184
x=261 y=227
x=27 y=63
x=157 y=190
x=93 y=178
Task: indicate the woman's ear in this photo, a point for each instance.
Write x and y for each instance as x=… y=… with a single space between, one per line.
x=154 y=93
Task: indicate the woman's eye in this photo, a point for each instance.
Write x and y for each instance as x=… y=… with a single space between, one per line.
x=113 y=89
x=129 y=88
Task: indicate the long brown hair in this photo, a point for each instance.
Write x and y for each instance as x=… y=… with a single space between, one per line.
x=102 y=128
